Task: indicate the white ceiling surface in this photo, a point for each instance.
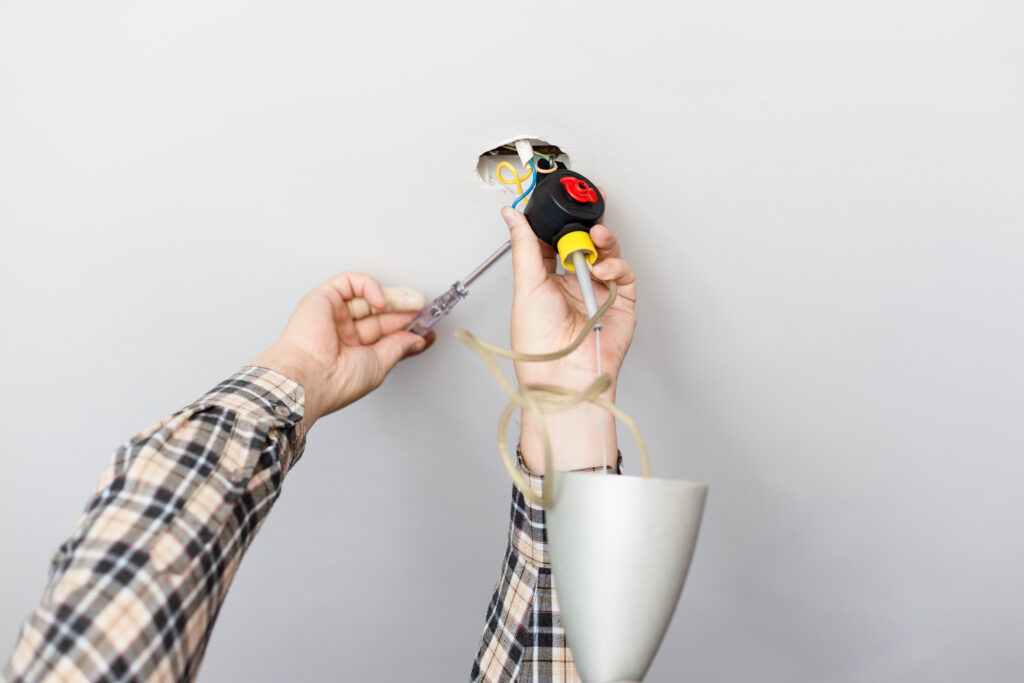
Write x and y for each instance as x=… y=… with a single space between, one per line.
x=823 y=202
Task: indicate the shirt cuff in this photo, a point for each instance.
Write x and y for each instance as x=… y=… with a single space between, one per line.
x=260 y=392
x=528 y=531
x=266 y=397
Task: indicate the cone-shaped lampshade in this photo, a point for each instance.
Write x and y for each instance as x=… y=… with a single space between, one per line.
x=620 y=548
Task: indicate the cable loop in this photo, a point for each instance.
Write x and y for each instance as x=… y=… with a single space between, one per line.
x=554 y=167
x=545 y=399
x=517 y=181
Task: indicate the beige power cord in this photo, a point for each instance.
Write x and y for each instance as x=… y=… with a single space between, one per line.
x=546 y=399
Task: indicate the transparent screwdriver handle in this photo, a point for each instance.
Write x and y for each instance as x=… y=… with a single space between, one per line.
x=437 y=309
x=442 y=305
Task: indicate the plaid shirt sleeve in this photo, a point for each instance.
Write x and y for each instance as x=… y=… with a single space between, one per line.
x=523 y=638
x=134 y=592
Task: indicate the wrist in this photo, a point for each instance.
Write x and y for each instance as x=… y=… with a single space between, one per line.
x=561 y=373
x=583 y=436
x=296 y=366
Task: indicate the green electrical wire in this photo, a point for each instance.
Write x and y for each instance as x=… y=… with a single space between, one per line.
x=535 y=153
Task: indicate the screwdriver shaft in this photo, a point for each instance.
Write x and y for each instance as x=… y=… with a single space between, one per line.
x=488 y=262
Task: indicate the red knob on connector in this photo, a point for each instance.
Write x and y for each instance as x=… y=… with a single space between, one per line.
x=580 y=190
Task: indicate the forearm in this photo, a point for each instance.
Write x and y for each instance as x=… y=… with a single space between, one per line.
x=135 y=590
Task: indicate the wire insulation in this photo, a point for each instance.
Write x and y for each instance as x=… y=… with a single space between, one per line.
x=517 y=181
x=533 y=184
x=535 y=153
x=546 y=399
x=554 y=167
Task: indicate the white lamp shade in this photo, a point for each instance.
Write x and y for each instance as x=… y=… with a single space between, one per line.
x=620 y=550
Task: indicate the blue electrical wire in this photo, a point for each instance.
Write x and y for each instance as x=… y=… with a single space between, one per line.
x=533 y=184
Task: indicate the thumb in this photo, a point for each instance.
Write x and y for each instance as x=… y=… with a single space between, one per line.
x=527 y=260
x=395 y=346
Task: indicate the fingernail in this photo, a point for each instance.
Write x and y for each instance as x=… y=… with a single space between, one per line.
x=419 y=346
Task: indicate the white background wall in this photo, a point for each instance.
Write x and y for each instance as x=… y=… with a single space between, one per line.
x=823 y=201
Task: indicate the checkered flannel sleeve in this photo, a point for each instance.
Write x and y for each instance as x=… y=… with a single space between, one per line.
x=523 y=638
x=134 y=592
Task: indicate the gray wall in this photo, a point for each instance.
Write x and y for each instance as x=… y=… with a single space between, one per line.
x=823 y=201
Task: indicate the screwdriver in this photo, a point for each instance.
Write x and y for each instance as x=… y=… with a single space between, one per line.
x=440 y=307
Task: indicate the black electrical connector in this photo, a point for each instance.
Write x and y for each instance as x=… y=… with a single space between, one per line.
x=563 y=202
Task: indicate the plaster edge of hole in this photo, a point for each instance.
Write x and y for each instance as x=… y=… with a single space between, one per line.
x=487 y=162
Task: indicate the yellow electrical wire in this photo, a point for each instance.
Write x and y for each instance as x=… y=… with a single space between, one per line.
x=518 y=181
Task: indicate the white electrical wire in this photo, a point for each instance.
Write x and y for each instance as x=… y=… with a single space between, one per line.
x=601 y=415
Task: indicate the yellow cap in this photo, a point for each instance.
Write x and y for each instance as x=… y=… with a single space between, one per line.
x=576 y=241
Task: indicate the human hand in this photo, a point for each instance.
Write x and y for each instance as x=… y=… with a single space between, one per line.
x=547 y=314
x=343 y=339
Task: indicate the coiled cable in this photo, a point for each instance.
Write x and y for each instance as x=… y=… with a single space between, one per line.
x=546 y=399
